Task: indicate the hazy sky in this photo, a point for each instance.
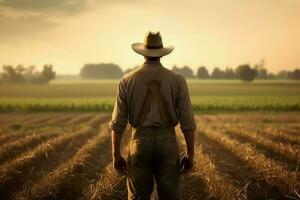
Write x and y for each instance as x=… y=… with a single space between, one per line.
x=70 y=33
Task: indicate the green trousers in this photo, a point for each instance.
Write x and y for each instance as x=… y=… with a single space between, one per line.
x=153 y=156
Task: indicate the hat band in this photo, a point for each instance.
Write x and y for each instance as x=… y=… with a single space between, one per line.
x=154 y=47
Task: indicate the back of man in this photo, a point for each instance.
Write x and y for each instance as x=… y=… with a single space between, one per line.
x=153 y=99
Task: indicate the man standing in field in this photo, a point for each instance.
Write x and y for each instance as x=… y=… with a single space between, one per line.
x=153 y=99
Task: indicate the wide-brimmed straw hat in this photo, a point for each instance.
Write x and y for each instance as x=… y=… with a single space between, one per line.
x=152 y=46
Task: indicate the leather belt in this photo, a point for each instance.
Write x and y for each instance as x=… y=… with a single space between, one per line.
x=170 y=128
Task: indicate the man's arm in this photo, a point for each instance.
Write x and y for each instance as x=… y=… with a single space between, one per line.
x=116 y=143
x=187 y=125
x=119 y=162
x=117 y=126
x=187 y=161
x=189 y=140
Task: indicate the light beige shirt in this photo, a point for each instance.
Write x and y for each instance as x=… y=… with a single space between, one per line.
x=132 y=92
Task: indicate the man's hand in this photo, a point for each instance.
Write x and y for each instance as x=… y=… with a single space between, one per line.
x=119 y=164
x=186 y=164
x=187 y=161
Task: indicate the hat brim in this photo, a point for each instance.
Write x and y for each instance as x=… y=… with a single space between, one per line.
x=141 y=49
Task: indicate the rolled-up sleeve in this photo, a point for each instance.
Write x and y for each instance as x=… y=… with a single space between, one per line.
x=120 y=112
x=184 y=106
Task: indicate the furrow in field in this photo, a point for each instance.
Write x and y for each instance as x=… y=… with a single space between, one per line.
x=37 y=117
x=43 y=118
x=230 y=118
x=110 y=185
x=57 y=120
x=12 y=136
x=28 y=117
x=274 y=173
x=43 y=158
x=272 y=132
x=5 y=137
x=68 y=179
x=206 y=182
x=237 y=171
x=291 y=129
x=10 y=118
x=282 y=136
x=62 y=121
x=285 y=153
x=80 y=119
x=23 y=126
x=97 y=120
x=9 y=136
x=12 y=149
x=5 y=119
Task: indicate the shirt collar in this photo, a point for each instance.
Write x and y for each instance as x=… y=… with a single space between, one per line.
x=153 y=63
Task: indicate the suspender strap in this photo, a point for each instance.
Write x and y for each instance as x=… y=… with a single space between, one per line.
x=153 y=94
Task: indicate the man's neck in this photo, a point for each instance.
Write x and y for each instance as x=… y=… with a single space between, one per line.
x=152 y=59
x=152 y=63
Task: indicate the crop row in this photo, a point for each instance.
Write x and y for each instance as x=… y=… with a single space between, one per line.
x=106 y=104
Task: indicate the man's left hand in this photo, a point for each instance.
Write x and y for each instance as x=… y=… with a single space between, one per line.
x=186 y=163
x=119 y=164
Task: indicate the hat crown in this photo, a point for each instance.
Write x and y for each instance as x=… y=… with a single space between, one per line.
x=153 y=40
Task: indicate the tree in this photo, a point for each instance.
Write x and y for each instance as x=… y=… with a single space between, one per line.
x=217 y=73
x=296 y=74
x=100 y=71
x=30 y=71
x=32 y=76
x=290 y=75
x=271 y=76
x=202 y=73
x=8 y=74
x=229 y=74
x=187 y=72
x=22 y=75
x=246 y=73
x=283 y=74
x=184 y=71
x=47 y=73
x=13 y=75
x=20 y=69
x=262 y=73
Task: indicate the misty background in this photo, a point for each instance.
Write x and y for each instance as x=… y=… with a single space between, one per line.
x=223 y=33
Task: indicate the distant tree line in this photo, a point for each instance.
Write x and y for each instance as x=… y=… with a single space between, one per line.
x=101 y=71
x=23 y=75
x=244 y=72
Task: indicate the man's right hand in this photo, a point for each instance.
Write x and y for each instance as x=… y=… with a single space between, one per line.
x=119 y=164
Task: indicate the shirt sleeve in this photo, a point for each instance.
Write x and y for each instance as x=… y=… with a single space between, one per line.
x=185 y=111
x=120 y=113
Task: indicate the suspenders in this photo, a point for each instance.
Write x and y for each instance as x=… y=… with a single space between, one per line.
x=153 y=94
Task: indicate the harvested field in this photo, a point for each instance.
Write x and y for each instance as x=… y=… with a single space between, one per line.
x=68 y=156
